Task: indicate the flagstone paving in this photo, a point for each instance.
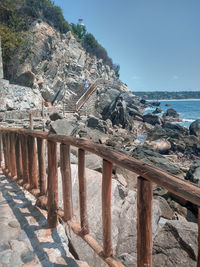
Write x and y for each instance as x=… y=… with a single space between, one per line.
x=25 y=239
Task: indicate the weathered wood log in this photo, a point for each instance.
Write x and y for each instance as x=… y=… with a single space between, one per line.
x=18 y=153
x=66 y=181
x=144 y=222
x=82 y=192
x=32 y=159
x=106 y=207
x=52 y=218
x=111 y=261
x=41 y=166
x=25 y=164
x=13 y=156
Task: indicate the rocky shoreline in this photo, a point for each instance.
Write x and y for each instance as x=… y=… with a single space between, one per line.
x=119 y=122
x=112 y=116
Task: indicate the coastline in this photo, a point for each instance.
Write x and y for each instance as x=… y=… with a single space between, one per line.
x=187 y=99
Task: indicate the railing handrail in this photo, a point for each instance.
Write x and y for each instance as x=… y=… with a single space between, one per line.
x=88 y=93
x=179 y=187
x=20 y=158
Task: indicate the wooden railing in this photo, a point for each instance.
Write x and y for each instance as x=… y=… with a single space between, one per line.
x=21 y=156
x=88 y=93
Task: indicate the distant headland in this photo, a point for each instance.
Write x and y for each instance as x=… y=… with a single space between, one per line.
x=168 y=95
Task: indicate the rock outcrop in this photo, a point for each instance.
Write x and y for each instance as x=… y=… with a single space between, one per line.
x=54 y=64
x=195 y=128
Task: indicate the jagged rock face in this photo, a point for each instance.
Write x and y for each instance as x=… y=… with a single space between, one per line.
x=54 y=63
x=14 y=97
x=121 y=110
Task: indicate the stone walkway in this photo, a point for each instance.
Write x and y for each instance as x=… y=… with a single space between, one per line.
x=24 y=237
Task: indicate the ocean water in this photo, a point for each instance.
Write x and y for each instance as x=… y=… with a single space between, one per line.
x=188 y=110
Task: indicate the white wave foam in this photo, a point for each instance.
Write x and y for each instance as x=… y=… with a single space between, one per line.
x=189 y=120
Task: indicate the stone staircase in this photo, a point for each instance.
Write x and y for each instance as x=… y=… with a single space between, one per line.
x=70 y=107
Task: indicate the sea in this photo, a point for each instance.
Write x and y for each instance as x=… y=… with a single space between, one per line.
x=188 y=110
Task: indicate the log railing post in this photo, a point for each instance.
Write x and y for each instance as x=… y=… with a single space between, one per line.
x=106 y=207
x=31 y=120
x=8 y=153
x=18 y=153
x=144 y=222
x=66 y=181
x=82 y=192
x=52 y=188
x=1 y=151
x=32 y=158
x=198 y=259
x=13 y=156
x=41 y=166
x=25 y=165
x=4 y=140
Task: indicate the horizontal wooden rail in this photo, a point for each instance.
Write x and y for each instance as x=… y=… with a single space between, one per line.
x=20 y=159
x=179 y=187
x=88 y=93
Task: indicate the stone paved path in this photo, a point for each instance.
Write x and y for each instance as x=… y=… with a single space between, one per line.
x=24 y=237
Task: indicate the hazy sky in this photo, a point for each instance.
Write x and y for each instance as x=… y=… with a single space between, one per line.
x=155 y=42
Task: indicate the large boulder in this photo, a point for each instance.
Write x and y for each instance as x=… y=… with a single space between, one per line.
x=195 y=128
x=63 y=127
x=152 y=119
x=154 y=158
x=124 y=225
x=176 y=245
x=157 y=110
x=117 y=113
x=160 y=145
x=193 y=174
x=124 y=217
x=171 y=115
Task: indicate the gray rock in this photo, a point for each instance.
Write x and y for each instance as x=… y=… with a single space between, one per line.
x=55 y=116
x=152 y=119
x=151 y=157
x=193 y=174
x=63 y=127
x=157 y=110
x=176 y=245
x=195 y=128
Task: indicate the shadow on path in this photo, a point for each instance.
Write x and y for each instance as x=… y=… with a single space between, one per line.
x=18 y=202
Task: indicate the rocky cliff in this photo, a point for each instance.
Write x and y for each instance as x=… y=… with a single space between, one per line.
x=55 y=64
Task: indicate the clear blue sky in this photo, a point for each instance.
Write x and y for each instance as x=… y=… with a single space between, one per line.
x=155 y=42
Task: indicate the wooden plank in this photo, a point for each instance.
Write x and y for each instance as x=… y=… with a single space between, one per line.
x=66 y=181
x=144 y=222
x=198 y=257
x=18 y=153
x=52 y=217
x=41 y=166
x=25 y=164
x=181 y=188
x=82 y=192
x=32 y=159
x=106 y=207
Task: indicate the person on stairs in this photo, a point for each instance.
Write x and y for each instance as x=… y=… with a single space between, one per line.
x=86 y=85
